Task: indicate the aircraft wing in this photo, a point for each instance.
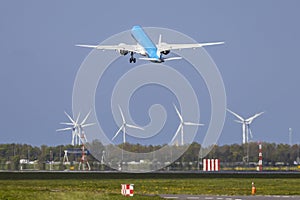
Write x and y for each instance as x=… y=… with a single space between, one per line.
x=124 y=47
x=166 y=46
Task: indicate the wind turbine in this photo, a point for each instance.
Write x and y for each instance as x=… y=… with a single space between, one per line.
x=76 y=127
x=123 y=127
x=245 y=124
x=182 y=123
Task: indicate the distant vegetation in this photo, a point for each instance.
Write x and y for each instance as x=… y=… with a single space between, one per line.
x=230 y=156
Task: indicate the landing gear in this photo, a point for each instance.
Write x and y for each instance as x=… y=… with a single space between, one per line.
x=132 y=59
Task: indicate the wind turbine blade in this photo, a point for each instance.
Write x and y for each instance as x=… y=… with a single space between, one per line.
x=117 y=133
x=70 y=118
x=67 y=123
x=178 y=113
x=86 y=117
x=86 y=125
x=192 y=124
x=250 y=119
x=241 y=122
x=182 y=143
x=251 y=135
x=123 y=118
x=235 y=114
x=77 y=119
x=64 y=129
x=132 y=126
x=176 y=133
x=261 y=113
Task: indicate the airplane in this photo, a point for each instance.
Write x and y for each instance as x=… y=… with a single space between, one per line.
x=147 y=48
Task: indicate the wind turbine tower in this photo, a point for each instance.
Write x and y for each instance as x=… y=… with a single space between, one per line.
x=245 y=124
x=290 y=136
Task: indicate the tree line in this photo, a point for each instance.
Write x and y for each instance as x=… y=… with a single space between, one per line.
x=11 y=154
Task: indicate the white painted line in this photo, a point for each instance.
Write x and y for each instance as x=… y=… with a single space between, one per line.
x=209 y=198
x=285 y=196
x=238 y=199
x=228 y=198
x=219 y=198
x=171 y=197
x=193 y=197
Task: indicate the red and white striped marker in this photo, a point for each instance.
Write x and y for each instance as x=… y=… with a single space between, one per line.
x=211 y=165
x=127 y=189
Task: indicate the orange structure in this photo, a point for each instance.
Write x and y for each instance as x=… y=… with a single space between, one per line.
x=253 y=191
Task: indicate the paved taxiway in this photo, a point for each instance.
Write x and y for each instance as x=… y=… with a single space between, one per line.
x=207 y=197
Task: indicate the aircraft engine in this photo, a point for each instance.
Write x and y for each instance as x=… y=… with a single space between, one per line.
x=165 y=52
x=121 y=51
x=143 y=53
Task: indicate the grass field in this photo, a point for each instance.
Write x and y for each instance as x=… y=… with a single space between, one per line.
x=110 y=188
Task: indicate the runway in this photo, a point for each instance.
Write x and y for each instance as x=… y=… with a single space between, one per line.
x=209 y=197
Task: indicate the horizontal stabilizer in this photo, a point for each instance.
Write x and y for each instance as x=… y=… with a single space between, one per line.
x=87 y=46
x=211 y=43
x=162 y=60
x=150 y=59
x=172 y=58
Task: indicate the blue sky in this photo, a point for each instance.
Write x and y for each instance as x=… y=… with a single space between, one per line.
x=259 y=62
